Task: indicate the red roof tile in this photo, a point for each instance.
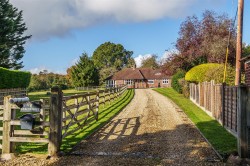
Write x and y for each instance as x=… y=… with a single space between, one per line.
x=139 y=73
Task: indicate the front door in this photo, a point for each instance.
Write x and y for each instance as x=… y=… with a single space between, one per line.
x=139 y=84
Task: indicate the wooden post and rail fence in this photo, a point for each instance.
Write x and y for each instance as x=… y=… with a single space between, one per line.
x=230 y=106
x=59 y=117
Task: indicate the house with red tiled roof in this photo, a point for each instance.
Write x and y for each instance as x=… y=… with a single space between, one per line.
x=139 y=78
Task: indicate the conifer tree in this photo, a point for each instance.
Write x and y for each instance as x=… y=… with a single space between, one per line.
x=12 y=37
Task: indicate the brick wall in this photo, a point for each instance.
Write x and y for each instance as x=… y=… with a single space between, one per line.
x=145 y=84
x=119 y=82
x=159 y=83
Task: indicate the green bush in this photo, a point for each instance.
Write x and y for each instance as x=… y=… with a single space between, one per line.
x=185 y=87
x=210 y=71
x=14 y=78
x=175 y=80
x=62 y=86
x=197 y=73
x=217 y=74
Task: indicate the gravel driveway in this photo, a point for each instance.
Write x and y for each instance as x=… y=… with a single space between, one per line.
x=151 y=130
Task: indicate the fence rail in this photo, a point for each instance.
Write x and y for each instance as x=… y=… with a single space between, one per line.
x=64 y=115
x=17 y=92
x=90 y=88
x=217 y=100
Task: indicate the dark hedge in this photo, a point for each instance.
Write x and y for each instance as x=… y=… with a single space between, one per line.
x=14 y=78
x=176 y=80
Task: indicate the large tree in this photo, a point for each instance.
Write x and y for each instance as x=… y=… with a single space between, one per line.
x=109 y=58
x=150 y=62
x=12 y=37
x=111 y=55
x=84 y=73
x=205 y=40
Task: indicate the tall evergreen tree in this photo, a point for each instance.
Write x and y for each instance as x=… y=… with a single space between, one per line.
x=12 y=37
x=84 y=73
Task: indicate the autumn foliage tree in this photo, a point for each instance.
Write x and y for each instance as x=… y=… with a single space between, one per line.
x=203 y=41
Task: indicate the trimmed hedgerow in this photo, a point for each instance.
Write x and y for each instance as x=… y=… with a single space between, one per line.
x=14 y=78
x=217 y=74
x=198 y=73
x=210 y=71
x=175 y=83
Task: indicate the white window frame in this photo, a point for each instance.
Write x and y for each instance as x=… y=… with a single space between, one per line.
x=111 y=83
x=165 y=81
x=151 y=81
x=128 y=82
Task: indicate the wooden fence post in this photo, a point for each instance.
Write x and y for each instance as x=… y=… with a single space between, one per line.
x=191 y=91
x=116 y=93
x=97 y=103
x=212 y=98
x=42 y=114
x=104 y=98
x=119 y=91
x=109 y=97
x=88 y=100
x=199 y=93
x=223 y=103
x=55 y=119
x=7 y=147
x=243 y=121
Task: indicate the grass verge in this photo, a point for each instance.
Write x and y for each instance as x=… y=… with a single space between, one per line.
x=105 y=115
x=224 y=142
x=46 y=94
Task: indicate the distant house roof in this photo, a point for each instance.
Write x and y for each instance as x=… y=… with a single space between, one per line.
x=139 y=74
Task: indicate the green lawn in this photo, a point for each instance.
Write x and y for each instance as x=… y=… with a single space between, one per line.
x=105 y=115
x=43 y=94
x=224 y=142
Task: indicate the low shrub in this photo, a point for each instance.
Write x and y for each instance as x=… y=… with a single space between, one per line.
x=185 y=87
x=175 y=80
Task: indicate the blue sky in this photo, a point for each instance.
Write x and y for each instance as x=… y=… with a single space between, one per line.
x=63 y=29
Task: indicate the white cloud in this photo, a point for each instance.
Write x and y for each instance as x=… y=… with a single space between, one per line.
x=161 y=59
x=42 y=68
x=139 y=58
x=46 y=18
x=167 y=54
x=37 y=70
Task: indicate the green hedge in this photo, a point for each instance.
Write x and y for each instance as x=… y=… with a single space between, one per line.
x=14 y=78
x=198 y=73
x=217 y=74
x=210 y=71
x=176 y=80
